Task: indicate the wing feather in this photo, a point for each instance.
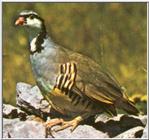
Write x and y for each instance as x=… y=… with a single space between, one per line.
x=100 y=84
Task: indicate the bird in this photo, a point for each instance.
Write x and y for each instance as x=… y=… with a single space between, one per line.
x=73 y=83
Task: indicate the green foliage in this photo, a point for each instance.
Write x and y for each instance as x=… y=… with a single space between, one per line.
x=113 y=34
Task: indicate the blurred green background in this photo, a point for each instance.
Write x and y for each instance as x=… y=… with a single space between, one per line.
x=113 y=34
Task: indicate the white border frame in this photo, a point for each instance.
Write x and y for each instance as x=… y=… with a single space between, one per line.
x=146 y=1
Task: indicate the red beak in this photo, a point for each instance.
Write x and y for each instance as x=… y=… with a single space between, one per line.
x=20 y=21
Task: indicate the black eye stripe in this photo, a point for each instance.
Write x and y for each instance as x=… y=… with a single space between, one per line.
x=31 y=17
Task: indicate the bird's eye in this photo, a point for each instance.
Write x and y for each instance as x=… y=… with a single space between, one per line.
x=31 y=16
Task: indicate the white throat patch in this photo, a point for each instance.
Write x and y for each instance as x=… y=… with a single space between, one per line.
x=33 y=45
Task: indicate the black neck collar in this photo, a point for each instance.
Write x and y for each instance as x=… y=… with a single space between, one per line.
x=39 y=40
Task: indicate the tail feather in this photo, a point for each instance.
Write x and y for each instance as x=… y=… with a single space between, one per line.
x=127 y=106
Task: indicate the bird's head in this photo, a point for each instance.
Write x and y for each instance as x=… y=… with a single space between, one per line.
x=30 y=19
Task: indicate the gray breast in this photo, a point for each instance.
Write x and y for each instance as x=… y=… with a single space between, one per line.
x=46 y=63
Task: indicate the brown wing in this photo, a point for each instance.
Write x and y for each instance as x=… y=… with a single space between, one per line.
x=99 y=84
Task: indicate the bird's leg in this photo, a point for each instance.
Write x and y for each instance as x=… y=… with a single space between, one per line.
x=50 y=124
x=53 y=122
x=73 y=124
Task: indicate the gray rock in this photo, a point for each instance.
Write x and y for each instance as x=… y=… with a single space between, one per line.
x=10 y=111
x=143 y=119
x=14 y=128
x=82 y=131
x=145 y=133
x=116 y=125
x=135 y=132
x=103 y=118
x=31 y=100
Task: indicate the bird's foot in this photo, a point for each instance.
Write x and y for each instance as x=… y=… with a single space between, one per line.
x=53 y=122
x=64 y=124
x=50 y=124
x=73 y=124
